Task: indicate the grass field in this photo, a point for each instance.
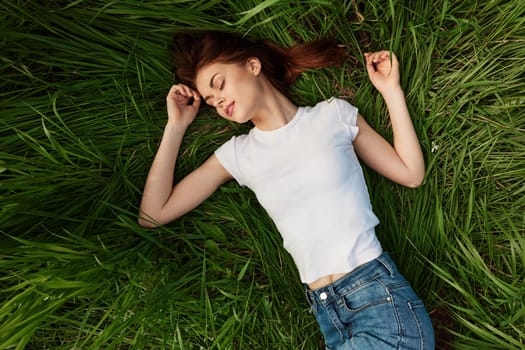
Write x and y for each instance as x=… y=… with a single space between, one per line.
x=82 y=108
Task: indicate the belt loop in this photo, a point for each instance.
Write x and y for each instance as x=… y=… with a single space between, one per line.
x=385 y=259
x=311 y=301
x=332 y=290
x=309 y=297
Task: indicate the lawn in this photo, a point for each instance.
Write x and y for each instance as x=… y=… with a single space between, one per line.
x=82 y=108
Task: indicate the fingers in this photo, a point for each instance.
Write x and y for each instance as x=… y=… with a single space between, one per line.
x=182 y=104
x=181 y=92
x=370 y=66
x=373 y=59
x=383 y=70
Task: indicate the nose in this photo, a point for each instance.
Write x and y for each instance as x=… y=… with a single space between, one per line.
x=219 y=102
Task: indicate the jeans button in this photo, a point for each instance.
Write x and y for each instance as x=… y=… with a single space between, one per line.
x=323 y=296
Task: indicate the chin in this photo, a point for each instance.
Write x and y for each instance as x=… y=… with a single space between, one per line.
x=238 y=120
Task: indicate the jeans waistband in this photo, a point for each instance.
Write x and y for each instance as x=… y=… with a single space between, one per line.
x=383 y=264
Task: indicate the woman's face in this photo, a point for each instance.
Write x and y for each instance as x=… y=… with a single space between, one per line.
x=233 y=89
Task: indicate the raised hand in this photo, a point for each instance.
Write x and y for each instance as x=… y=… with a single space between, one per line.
x=383 y=70
x=180 y=111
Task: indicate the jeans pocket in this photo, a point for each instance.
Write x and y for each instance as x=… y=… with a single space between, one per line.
x=370 y=313
x=368 y=295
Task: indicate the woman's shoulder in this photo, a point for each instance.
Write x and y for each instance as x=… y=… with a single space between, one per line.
x=330 y=102
x=331 y=105
x=336 y=111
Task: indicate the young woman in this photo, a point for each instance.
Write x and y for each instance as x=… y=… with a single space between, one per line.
x=301 y=163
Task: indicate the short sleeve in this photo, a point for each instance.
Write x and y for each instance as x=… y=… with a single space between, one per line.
x=228 y=157
x=347 y=114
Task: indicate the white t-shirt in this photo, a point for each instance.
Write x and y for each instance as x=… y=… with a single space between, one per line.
x=308 y=178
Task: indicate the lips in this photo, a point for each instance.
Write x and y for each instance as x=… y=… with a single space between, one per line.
x=229 y=109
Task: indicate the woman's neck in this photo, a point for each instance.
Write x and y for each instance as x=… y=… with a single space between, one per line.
x=275 y=110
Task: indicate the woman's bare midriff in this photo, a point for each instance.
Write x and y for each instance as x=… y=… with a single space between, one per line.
x=326 y=280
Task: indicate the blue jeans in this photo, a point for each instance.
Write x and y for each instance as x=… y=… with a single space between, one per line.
x=373 y=307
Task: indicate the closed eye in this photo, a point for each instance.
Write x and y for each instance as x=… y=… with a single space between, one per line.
x=209 y=99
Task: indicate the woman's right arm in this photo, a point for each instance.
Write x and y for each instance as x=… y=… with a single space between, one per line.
x=161 y=201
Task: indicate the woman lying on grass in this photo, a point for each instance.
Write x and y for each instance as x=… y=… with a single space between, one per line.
x=301 y=163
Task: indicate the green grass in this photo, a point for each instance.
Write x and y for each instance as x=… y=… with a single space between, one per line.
x=82 y=91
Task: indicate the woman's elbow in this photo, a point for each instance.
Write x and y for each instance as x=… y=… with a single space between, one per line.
x=415 y=180
x=415 y=183
x=147 y=221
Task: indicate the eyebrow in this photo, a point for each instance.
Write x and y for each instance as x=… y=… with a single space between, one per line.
x=211 y=85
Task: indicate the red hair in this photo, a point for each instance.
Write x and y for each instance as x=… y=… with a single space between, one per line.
x=191 y=51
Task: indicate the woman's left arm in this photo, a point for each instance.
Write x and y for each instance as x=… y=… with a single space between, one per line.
x=403 y=161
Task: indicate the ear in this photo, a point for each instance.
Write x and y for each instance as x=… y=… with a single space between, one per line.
x=254 y=65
